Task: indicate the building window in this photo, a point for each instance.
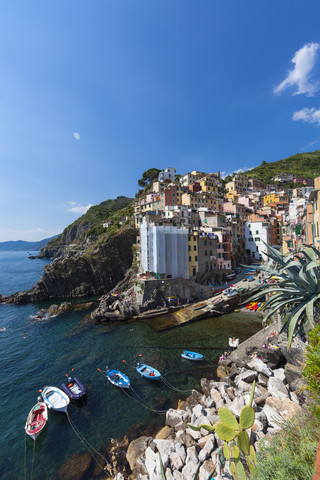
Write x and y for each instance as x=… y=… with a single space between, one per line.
x=195 y=248
x=196 y=258
x=257 y=239
x=205 y=253
x=189 y=248
x=189 y=259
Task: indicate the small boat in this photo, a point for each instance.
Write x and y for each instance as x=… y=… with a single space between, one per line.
x=36 y=420
x=74 y=389
x=148 y=372
x=237 y=310
x=199 y=306
x=191 y=355
x=250 y=305
x=233 y=342
x=55 y=398
x=118 y=379
x=261 y=305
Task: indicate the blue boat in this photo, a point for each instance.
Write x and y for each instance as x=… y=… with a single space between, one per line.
x=74 y=389
x=148 y=372
x=191 y=355
x=118 y=379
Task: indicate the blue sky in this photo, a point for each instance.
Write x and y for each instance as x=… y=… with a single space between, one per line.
x=94 y=93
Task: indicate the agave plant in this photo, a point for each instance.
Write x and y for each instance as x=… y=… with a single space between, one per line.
x=296 y=294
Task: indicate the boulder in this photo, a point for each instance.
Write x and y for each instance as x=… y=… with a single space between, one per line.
x=217 y=398
x=164 y=433
x=247 y=376
x=136 y=449
x=262 y=380
x=176 y=418
x=181 y=451
x=202 y=441
x=260 y=367
x=189 y=470
x=206 y=450
x=280 y=374
x=151 y=461
x=272 y=415
x=277 y=388
x=284 y=406
x=176 y=461
x=192 y=454
x=206 y=469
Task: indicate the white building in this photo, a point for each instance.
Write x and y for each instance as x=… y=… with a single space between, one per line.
x=168 y=174
x=164 y=250
x=255 y=233
x=295 y=206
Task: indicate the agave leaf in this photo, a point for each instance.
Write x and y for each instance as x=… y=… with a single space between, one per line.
x=252 y=393
x=293 y=322
x=225 y=432
x=227 y=417
x=278 y=307
x=311 y=265
x=163 y=477
x=197 y=471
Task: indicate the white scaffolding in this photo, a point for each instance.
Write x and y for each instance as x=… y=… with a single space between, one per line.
x=164 y=250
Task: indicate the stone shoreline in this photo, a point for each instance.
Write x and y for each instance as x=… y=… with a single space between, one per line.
x=277 y=376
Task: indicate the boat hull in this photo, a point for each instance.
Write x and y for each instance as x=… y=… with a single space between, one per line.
x=148 y=372
x=75 y=389
x=194 y=356
x=118 y=379
x=36 y=420
x=55 y=399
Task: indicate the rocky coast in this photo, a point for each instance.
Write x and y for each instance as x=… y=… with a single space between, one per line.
x=279 y=394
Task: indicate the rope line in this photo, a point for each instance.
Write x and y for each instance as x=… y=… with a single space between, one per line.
x=89 y=416
x=25 y=458
x=159 y=412
x=33 y=456
x=172 y=387
x=85 y=442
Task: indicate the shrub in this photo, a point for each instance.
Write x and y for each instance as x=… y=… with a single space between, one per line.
x=291 y=454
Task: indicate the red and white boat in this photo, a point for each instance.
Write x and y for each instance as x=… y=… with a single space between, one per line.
x=36 y=420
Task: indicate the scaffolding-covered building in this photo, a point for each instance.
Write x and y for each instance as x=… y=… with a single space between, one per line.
x=164 y=250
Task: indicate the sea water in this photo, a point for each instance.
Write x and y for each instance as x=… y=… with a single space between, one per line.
x=53 y=348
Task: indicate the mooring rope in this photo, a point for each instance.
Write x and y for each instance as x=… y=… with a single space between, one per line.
x=33 y=456
x=172 y=387
x=89 y=416
x=85 y=442
x=25 y=458
x=159 y=412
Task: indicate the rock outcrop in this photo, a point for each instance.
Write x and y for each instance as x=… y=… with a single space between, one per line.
x=182 y=449
x=83 y=273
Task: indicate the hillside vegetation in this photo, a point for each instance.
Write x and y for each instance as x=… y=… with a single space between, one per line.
x=92 y=219
x=306 y=165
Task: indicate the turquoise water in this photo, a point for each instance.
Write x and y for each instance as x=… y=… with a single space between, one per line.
x=53 y=347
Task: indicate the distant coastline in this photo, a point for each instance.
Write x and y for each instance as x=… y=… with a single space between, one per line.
x=21 y=245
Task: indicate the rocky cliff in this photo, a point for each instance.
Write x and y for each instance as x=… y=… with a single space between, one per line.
x=89 y=269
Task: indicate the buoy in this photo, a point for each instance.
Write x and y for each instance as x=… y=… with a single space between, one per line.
x=123 y=361
x=40 y=391
x=140 y=355
x=66 y=375
x=98 y=369
x=73 y=369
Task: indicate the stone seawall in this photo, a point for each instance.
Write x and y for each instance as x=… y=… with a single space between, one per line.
x=275 y=398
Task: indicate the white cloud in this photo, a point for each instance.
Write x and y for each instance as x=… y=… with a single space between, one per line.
x=77 y=208
x=308 y=115
x=225 y=174
x=76 y=135
x=304 y=61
